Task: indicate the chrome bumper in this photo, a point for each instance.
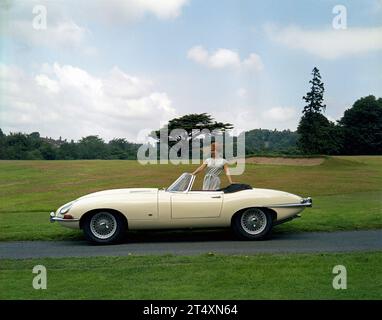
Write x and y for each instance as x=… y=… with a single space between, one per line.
x=308 y=202
x=305 y=202
x=53 y=218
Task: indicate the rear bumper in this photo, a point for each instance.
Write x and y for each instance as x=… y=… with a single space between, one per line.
x=305 y=202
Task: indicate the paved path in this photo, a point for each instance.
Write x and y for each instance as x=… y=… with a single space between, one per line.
x=200 y=242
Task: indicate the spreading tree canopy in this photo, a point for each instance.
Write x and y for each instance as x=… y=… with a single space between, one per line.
x=362 y=127
x=193 y=125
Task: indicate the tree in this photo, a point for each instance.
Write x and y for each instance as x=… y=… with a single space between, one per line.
x=120 y=148
x=315 y=97
x=34 y=155
x=34 y=140
x=17 y=146
x=2 y=145
x=362 y=127
x=47 y=151
x=317 y=134
x=190 y=127
x=92 y=147
x=68 y=151
x=264 y=141
x=32 y=146
x=193 y=124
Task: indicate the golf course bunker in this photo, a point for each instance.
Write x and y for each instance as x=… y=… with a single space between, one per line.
x=286 y=161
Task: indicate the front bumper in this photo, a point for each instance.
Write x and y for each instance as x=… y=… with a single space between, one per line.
x=54 y=218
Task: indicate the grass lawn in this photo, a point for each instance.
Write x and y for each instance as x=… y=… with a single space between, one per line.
x=347 y=191
x=294 y=276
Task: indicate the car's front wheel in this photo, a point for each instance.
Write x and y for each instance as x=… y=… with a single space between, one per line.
x=252 y=224
x=104 y=227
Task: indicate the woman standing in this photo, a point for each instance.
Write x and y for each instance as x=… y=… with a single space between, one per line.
x=214 y=167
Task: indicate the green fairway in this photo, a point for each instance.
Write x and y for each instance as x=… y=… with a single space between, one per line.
x=347 y=191
x=293 y=276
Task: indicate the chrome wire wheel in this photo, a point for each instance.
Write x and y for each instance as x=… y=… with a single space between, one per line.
x=253 y=221
x=103 y=225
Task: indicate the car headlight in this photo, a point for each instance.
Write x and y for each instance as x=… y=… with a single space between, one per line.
x=66 y=208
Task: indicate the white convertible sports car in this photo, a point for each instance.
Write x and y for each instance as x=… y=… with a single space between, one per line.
x=251 y=213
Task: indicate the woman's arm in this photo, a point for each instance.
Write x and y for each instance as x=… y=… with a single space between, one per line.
x=226 y=170
x=201 y=168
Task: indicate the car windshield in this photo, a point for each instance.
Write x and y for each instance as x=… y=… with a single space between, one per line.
x=183 y=183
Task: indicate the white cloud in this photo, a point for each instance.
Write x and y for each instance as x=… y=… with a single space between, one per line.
x=328 y=43
x=163 y=9
x=133 y=10
x=260 y=116
x=198 y=54
x=279 y=114
x=224 y=58
x=65 y=34
x=128 y=10
x=253 y=61
x=63 y=100
x=44 y=81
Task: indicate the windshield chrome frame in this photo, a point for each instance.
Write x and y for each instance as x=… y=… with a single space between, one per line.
x=189 y=186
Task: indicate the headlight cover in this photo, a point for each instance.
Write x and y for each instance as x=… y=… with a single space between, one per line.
x=66 y=207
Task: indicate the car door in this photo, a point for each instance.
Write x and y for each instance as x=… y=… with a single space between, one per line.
x=196 y=204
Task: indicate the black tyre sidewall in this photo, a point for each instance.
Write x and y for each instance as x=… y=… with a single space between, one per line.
x=115 y=238
x=243 y=235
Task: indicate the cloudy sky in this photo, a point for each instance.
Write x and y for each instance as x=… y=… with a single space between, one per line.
x=114 y=68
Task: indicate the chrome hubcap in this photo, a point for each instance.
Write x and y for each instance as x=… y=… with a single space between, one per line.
x=103 y=225
x=254 y=221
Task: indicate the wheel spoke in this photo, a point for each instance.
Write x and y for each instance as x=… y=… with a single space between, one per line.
x=103 y=225
x=253 y=221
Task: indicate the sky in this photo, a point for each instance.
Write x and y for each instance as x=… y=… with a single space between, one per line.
x=121 y=68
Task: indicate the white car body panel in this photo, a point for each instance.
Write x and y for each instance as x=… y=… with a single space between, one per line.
x=150 y=208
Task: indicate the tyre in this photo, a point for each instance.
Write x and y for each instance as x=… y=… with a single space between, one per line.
x=252 y=224
x=104 y=227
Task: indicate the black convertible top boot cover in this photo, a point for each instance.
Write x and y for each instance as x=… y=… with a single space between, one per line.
x=235 y=187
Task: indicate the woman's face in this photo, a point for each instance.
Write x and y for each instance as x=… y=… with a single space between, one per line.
x=214 y=150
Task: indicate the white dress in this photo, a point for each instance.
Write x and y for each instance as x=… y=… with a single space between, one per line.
x=215 y=166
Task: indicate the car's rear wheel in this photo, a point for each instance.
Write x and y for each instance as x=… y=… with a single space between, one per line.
x=252 y=224
x=104 y=227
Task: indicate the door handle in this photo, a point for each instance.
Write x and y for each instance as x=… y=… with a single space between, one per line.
x=216 y=197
